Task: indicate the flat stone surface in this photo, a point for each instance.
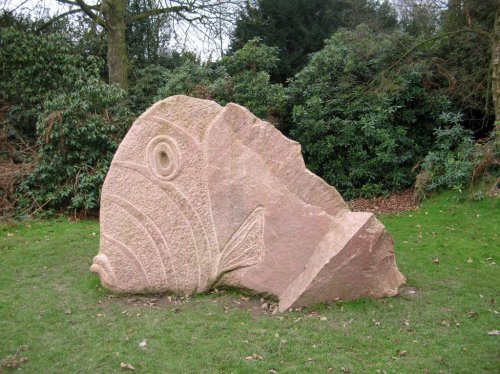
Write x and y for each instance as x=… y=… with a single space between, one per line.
x=199 y=196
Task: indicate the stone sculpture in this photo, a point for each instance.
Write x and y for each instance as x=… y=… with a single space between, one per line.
x=199 y=196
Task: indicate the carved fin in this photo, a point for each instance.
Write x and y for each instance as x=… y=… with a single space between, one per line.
x=246 y=246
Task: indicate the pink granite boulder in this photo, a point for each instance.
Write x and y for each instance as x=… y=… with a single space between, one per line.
x=199 y=195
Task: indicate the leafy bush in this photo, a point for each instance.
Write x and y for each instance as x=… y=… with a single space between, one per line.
x=32 y=68
x=250 y=67
x=78 y=133
x=205 y=81
x=242 y=78
x=457 y=162
x=362 y=124
x=254 y=56
x=450 y=164
x=144 y=87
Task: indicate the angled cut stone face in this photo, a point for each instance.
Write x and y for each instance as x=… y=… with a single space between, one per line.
x=199 y=195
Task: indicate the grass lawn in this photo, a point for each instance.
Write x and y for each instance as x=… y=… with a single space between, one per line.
x=54 y=313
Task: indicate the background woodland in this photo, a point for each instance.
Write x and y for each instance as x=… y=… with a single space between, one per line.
x=381 y=95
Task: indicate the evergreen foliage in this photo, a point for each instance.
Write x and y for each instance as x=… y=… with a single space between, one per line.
x=465 y=60
x=456 y=162
x=375 y=104
x=78 y=132
x=32 y=68
x=362 y=126
x=242 y=78
x=298 y=28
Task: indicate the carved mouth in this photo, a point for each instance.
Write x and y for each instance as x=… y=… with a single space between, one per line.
x=102 y=267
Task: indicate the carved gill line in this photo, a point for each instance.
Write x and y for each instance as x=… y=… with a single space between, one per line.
x=213 y=248
x=132 y=257
x=178 y=128
x=133 y=166
x=187 y=213
x=211 y=124
x=190 y=211
x=214 y=251
x=151 y=229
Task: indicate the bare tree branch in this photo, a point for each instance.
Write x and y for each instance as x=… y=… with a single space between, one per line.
x=440 y=36
x=87 y=9
x=69 y=2
x=156 y=12
x=57 y=18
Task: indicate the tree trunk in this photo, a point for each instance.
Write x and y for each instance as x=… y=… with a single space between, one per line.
x=114 y=15
x=495 y=73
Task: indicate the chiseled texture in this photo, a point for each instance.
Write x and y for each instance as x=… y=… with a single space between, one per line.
x=198 y=195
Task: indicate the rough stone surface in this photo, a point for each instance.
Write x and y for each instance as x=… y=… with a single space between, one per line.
x=198 y=195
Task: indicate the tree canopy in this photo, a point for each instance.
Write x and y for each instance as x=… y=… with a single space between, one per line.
x=299 y=27
x=381 y=95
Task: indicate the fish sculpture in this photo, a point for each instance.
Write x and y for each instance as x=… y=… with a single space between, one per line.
x=199 y=195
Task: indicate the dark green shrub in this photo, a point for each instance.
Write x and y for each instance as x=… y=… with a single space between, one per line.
x=250 y=67
x=457 y=162
x=450 y=164
x=362 y=125
x=32 y=68
x=78 y=133
x=144 y=87
x=192 y=78
x=242 y=78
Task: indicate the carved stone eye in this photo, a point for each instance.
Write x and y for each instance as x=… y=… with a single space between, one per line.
x=164 y=158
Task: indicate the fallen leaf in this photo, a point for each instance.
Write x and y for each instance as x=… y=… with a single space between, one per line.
x=13 y=362
x=143 y=344
x=435 y=260
x=125 y=366
x=406 y=322
x=494 y=333
x=9 y=234
x=254 y=357
x=323 y=318
x=401 y=353
x=472 y=314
